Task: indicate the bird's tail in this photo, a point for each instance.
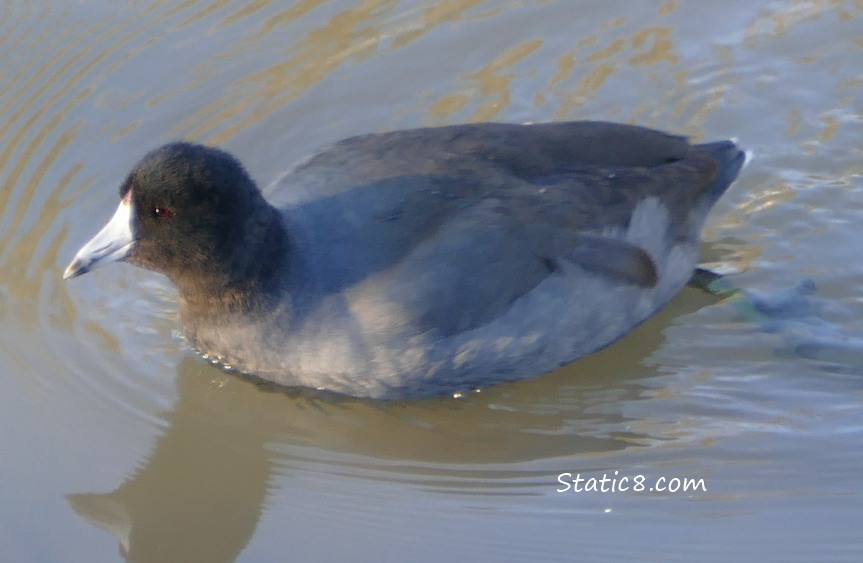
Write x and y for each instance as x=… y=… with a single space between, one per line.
x=730 y=159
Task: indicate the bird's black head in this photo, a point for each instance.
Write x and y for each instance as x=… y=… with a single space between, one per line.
x=187 y=211
x=190 y=207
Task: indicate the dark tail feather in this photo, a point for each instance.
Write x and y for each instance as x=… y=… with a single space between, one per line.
x=729 y=160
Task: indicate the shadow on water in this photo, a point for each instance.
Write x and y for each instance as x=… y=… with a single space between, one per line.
x=199 y=494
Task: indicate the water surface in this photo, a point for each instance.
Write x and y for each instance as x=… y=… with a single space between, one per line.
x=118 y=442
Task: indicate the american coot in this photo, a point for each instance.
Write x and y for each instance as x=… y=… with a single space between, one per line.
x=423 y=261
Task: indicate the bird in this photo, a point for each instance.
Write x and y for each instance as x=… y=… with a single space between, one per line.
x=421 y=262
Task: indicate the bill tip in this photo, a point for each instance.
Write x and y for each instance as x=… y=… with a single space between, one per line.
x=74 y=270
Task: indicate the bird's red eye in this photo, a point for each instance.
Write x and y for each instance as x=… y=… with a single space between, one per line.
x=163 y=213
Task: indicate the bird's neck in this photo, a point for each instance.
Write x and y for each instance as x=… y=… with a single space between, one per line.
x=252 y=281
